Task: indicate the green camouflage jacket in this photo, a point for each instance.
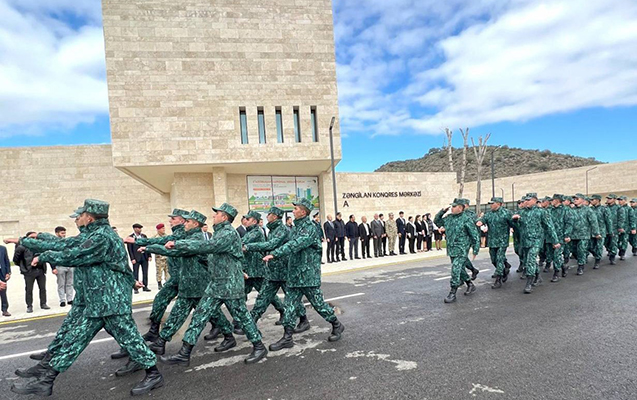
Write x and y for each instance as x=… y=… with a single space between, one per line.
x=613 y=221
x=279 y=235
x=194 y=276
x=174 y=263
x=499 y=223
x=559 y=215
x=602 y=219
x=225 y=261
x=304 y=250
x=461 y=232
x=626 y=218
x=582 y=224
x=108 y=280
x=535 y=224
x=253 y=264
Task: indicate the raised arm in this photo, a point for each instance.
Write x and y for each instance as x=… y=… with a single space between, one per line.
x=93 y=250
x=274 y=241
x=305 y=239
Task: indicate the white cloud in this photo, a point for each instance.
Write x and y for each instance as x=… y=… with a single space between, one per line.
x=51 y=76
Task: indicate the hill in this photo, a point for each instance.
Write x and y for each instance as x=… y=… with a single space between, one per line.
x=509 y=161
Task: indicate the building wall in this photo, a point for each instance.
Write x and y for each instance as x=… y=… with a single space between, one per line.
x=179 y=71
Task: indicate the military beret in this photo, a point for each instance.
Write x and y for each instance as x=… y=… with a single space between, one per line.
x=178 y=212
x=496 y=200
x=226 y=208
x=611 y=196
x=253 y=214
x=78 y=211
x=304 y=202
x=277 y=211
x=96 y=207
x=159 y=226
x=596 y=197
x=531 y=195
x=196 y=216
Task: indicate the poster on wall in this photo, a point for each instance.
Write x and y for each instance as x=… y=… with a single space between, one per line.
x=284 y=192
x=308 y=187
x=259 y=193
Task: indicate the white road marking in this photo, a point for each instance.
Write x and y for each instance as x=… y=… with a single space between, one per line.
x=401 y=365
x=449 y=276
x=340 y=298
x=478 y=387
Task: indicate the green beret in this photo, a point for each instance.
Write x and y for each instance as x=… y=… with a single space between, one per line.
x=276 y=211
x=226 y=208
x=96 y=207
x=304 y=202
x=197 y=216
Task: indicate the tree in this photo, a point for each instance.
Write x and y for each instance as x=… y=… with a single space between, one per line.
x=480 y=151
x=463 y=166
x=449 y=134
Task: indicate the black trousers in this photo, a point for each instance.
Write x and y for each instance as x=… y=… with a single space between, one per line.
x=428 y=239
x=377 y=246
x=401 y=243
x=331 y=245
x=353 y=248
x=341 y=247
x=33 y=276
x=384 y=240
x=144 y=266
x=419 y=243
x=365 y=247
x=4 y=300
x=412 y=241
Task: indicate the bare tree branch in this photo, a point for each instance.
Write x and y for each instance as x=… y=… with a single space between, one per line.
x=479 y=151
x=449 y=134
x=463 y=166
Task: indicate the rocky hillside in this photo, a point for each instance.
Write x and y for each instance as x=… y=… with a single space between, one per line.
x=508 y=162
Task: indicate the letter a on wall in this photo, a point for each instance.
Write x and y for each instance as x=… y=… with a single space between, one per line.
x=345 y=204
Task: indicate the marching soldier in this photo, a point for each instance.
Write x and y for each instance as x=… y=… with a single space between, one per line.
x=625 y=226
x=499 y=223
x=597 y=244
x=613 y=223
x=556 y=255
x=304 y=275
x=545 y=260
x=582 y=227
x=632 y=239
x=517 y=244
x=462 y=235
x=567 y=202
x=469 y=213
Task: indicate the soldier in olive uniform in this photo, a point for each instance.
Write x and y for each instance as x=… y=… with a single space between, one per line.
x=535 y=223
x=278 y=268
x=469 y=213
x=581 y=228
x=517 y=244
x=304 y=275
x=225 y=262
x=613 y=224
x=556 y=256
x=597 y=244
x=545 y=260
x=632 y=238
x=499 y=223
x=462 y=235
x=107 y=286
x=625 y=225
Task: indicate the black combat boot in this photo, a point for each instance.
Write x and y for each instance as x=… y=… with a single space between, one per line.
x=285 y=342
x=498 y=283
x=529 y=284
x=523 y=276
x=227 y=344
x=451 y=297
x=537 y=279
x=237 y=329
x=596 y=266
x=566 y=259
x=153 y=333
x=505 y=275
x=130 y=367
x=152 y=380
x=556 y=276
x=214 y=333
x=159 y=286
x=547 y=268
x=303 y=325
x=279 y=322
x=474 y=273
x=470 y=288
x=38 y=356
x=182 y=358
x=159 y=346
x=507 y=264
x=580 y=270
x=612 y=260
x=35 y=371
x=120 y=354
x=337 y=330
x=258 y=352
x=634 y=252
x=43 y=386
x=622 y=255
x=520 y=269
x=564 y=270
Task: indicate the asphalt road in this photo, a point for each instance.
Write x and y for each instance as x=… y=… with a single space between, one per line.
x=569 y=340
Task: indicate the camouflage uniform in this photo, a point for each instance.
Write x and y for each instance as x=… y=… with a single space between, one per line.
x=392 y=233
x=534 y=224
x=580 y=229
x=517 y=242
x=499 y=223
x=597 y=245
x=161 y=264
x=556 y=256
x=632 y=238
x=625 y=221
x=471 y=215
x=612 y=224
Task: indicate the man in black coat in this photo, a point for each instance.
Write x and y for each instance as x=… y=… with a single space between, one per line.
x=365 y=234
x=138 y=259
x=377 y=233
x=23 y=258
x=5 y=274
x=339 y=225
x=330 y=237
x=401 y=226
x=317 y=222
x=351 y=231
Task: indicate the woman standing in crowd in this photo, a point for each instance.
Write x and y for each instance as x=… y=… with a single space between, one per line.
x=429 y=224
x=419 y=232
x=411 y=234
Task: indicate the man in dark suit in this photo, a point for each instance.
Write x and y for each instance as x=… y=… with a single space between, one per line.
x=138 y=259
x=5 y=274
x=23 y=258
x=384 y=237
x=377 y=234
x=242 y=229
x=365 y=234
x=401 y=225
x=351 y=232
x=206 y=235
x=330 y=236
x=317 y=223
x=339 y=225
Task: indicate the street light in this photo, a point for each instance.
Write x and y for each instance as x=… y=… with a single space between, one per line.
x=333 y=173
x=587 y=171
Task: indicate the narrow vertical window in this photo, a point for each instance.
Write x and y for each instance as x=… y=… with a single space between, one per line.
x=243 y=123
x=261 y=120
x=297 y=125
x=314 y=124
x=279 y=125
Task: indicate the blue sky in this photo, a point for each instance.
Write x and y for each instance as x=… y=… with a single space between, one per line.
x=554 y=75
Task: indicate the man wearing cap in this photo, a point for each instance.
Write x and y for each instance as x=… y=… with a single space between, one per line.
x=534 y=223
x=161 y=265
x=597 y=244
x=567 y=202
x=193 y=279
x=556 y=256
x=108 y=281
x=469 y=213
x=304 y=275
x=498 y=222
x=517 y=242
x=625 y=225
x=226 y=286
x=632 y=238
x=138 y=258
x=278 y=269
x=545 y=203
x=582 y=227
x=462 y=234
x=611 y=236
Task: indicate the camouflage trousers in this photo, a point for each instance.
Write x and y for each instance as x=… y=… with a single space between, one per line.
x=178 y=315
x=611 y=244
x=580 y=250
x=121 y=327
x=71 y=320
x=258 y=284
x=458 y=272
x=596 y=248
x=209 y=309
x=314 y=295
x=265 y=297
x=531 y=255
x=632 y=239
x=543 y=254
x=498 y=257
x=555 y=256
x=168 y=292
x=622 y=242
x=162 y=268
x=566 y=251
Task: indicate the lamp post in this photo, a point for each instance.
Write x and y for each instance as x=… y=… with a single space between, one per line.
x=333 y=172
x=587 y=171
x=513 y=191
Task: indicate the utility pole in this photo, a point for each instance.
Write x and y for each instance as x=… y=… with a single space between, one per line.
x=333 y=172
